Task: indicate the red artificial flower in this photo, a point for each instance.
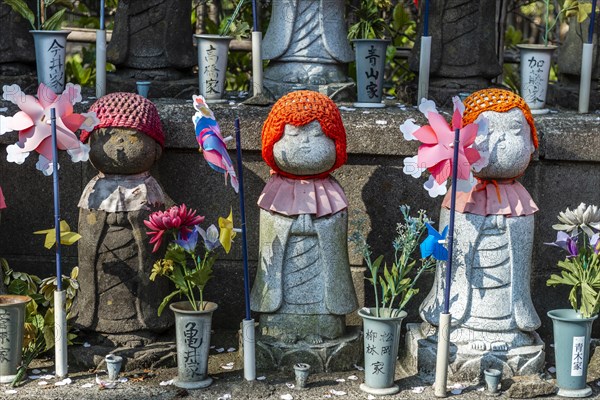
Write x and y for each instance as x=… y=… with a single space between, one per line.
x=177 y=218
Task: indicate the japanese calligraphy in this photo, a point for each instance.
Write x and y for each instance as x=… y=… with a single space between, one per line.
x=56 y=66
x=372 y=86
x=211 y=72
x=378 y=368
x=193 y=341
x=577 y=356
x=534 y=86
x=370 y=335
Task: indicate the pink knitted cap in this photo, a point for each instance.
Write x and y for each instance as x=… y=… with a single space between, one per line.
x=127 y=110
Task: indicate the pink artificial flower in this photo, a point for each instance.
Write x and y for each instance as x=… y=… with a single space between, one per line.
x=33 y=124
x=177 y=218
x=436 y=151
x=2 y=203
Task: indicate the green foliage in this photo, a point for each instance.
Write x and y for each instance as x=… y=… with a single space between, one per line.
x=39 y=317
x=81 y=68
x=50 y=24
x=396 y=283
x=369 y=22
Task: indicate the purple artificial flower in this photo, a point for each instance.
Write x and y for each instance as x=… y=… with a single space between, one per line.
x=595 y=243
x=210 y=237
x=566 y=242
x=189 y=244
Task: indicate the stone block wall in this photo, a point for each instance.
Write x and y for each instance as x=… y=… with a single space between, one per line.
x=564 y=172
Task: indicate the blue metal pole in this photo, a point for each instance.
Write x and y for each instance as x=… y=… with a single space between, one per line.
x=238 y=143
x=56 y=199
x=592 y=22
x=254 y=16
x=426 y=19
x=451 y=227
x=101 y=14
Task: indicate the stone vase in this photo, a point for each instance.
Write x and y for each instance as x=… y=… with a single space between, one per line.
x=536 y=60
x=50 y=52
x=212 y=66
x=12 y=321
x=572 y=351
x=192 y=331
x=370 y=66
x=381 y=340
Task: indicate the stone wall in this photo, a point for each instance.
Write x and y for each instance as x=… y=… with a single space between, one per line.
x=565 y=171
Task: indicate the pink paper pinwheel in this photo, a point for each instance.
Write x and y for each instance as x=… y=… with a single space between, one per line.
x=33 y=124
x=211 y=141
x=436 y=151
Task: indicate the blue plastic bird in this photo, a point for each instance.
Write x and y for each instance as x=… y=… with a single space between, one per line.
x=212 y=144
x=431 y=246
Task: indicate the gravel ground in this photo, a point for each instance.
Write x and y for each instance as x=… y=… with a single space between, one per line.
x=226 y=369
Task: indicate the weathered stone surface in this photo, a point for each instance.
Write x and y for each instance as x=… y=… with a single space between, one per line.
x=152 y=356
x=17 y=53
x=307 y=45
x=529 y=386
x=464 y=36
x=593 y=372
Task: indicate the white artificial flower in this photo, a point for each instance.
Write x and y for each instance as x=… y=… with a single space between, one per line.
x=411 y=167
x=433 y=188
x=91 y=120
x=79 y=154
x=427 y=106
x=45 y=165
x=15 y=154
x=465 y=186
x=408 y=128
x=12 y=93
x=458 y=104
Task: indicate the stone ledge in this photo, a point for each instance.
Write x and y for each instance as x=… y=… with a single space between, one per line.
x=564 y=136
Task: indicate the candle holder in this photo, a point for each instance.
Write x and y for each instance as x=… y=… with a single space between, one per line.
x=301 y=370
x=492 y=379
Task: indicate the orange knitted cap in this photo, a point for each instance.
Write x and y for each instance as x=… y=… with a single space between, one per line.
x=300 y=108
x=498 y=100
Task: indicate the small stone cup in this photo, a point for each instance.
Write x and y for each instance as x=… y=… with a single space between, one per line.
x=492 y=379
x=301 y=370
x=113 y=366
x=143 y=87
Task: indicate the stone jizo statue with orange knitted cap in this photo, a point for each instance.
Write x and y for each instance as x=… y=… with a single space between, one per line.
x=303 y=287
x=493 y=317
x=116 y=298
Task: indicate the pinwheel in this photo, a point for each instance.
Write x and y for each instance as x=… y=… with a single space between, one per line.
x=436 y=151
x=433 y=245
x=212 y=144
x=33 y=125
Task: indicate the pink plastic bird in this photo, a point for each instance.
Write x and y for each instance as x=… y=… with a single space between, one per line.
x=212 y=144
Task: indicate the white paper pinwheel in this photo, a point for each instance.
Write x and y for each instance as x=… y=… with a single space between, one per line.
x=33 y=124
x=436 y=151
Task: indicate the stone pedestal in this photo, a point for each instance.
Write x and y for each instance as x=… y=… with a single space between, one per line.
x=338 y=354
x=17 y=54
x=467 y=364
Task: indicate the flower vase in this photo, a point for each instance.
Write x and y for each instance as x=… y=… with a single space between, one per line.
x=370 y=66
x=12 y=322
x=50 y=53
x=192 y=331
x=536 y=60
x=212 y=66
x=381 y=341
x=571 y=351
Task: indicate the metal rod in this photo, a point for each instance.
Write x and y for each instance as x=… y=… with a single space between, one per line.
x=426 y=19
x=254 y=16
x=451 y=227
x=56 y=198
x=592 y=22
x=100 y=63
x=102 y=14
x=424 y=65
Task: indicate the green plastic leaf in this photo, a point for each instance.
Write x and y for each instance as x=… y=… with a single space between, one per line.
x=53 y=23
x=21 y=8
x=166 y=301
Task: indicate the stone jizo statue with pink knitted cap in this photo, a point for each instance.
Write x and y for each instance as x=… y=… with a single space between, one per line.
x=115 y=259
x=493 y=317
x=303 y=287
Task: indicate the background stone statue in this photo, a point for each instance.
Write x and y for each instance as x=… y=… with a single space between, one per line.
x=493 y=317
x=17 y=53
x=303 y=287
x=117 y=298
x=307 y=45
x=152 y=40
x=464 y=46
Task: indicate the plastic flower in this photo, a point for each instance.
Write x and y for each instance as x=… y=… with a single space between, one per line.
x=210 y=237
x=566 y=242
x=66 y=236
x=178 y=219
x=595 y=243
x=436 y=152
x=585 y=217
x=227 y=232
x=162 y=267
x=188 y=244
x=33 y=124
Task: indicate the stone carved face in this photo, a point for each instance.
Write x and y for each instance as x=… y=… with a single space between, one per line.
x=122 y=151
x=509 y=144
x=304 y=150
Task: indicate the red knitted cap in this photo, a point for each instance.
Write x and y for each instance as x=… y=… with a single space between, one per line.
x=300 y=108
x=499 y=100
x=127 y=110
